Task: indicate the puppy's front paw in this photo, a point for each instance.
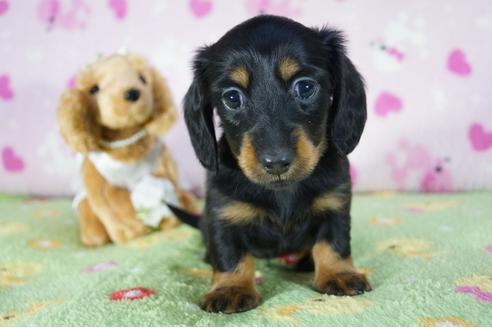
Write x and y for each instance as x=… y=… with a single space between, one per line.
x=343 y=283
x=230 y=300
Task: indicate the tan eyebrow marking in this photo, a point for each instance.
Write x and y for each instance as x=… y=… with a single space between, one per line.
x=240 y=75
x=288 y=67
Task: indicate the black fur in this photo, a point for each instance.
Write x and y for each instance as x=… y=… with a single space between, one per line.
x=336 y=116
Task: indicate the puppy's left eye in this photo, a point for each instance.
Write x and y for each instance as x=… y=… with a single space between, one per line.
x=233 y=99
x=305 y=89
x=142 y=78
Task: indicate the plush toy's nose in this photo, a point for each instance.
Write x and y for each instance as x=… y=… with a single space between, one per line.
x=132 y=95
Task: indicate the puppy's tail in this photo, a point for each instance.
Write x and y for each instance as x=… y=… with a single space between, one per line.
x=186 y=217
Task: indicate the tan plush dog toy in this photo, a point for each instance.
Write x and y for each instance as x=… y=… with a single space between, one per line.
x=112 y=118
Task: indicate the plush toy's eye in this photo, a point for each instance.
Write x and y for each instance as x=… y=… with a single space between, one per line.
x=142 y=78
x=233 y=99
x=94 y=89
x=305 y=88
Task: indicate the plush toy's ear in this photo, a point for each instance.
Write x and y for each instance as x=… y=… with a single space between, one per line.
x=77 y=122
x=198 y=113
x=165 y=114
x=349 y=111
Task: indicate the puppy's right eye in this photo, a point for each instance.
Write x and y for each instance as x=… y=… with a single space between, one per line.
x=94 y=89
x=305 y=88
x=233 y=99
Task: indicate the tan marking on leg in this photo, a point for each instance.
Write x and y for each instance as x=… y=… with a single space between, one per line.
x=240 y=75
x=241 y=212
x=334 y=275
x=331 y=201
x=328 y=261
x=233 y=291
x=288 y=67
x=243 y=275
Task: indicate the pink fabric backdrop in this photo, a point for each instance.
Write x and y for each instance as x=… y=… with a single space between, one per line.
x=426 y=63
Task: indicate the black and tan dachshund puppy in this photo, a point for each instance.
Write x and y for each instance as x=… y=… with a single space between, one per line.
x=292 y=106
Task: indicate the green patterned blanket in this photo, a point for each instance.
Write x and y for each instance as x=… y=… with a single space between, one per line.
x=428 y=257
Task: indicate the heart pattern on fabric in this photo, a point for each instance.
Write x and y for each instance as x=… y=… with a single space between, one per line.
x=4 y=6
x=201 y=8
x=480 y=139
x=6 y=92
x=11 y=161
x=387 y=103
x=458 y=64
x=119 y=8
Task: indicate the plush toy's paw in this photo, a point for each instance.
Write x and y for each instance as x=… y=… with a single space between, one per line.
x=343 y=283
x=230 y=299
x=168 y=222
x=126 y=230
x=92 y=231
x=94 y=238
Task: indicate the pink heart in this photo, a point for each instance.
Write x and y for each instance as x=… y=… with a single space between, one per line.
x=457 y=63
x=5 y=90
x=479 y=138
x=489 y=248
x=387 y=102
x=11 y=161
x=71 y=82
x=48 y=10
x=200 y=8
x=4 y=6
x=119 y=8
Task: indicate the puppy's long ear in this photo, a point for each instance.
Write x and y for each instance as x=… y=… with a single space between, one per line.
x=77 y=122
x=198 y=113
x=349 y=111
x=165 y=114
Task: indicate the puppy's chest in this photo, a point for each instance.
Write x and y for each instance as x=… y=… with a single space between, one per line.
x=275 y=237
x=287 y=225
x=284 y=211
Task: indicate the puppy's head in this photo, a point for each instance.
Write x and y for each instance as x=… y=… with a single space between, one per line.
x=283 y=92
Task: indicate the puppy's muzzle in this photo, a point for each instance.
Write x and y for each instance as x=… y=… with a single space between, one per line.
x=277 y=163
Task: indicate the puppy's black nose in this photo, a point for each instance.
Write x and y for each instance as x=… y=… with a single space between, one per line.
x=278 y=163
x=132 y=95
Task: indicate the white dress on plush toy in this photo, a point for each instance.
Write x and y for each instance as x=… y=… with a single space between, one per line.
x=149 y=193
